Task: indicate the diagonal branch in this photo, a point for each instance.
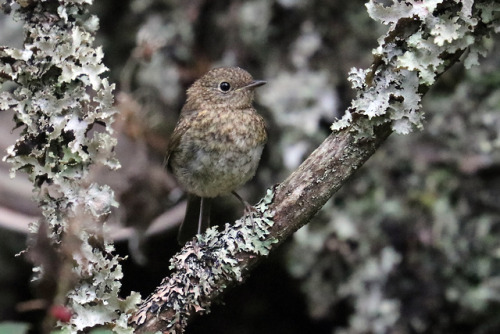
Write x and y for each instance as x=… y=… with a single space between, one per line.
x=423 y=41
x=296 y=200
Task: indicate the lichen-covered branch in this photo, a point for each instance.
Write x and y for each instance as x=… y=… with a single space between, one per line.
x=424 y=39
x=64 y=107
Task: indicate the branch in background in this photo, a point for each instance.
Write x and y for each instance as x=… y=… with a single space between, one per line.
x=65 y=109
x=424 y=40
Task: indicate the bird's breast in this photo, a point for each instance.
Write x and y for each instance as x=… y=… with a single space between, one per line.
x=219 y=151
x=228 y=129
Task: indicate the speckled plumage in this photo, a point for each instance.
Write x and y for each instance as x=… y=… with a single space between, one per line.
x=217 y=143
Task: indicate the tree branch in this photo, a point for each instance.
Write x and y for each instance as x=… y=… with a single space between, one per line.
x=296 y=200
x=423 y=41
x=304 y=192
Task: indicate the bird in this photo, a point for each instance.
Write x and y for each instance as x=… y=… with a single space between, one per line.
x=217 y=143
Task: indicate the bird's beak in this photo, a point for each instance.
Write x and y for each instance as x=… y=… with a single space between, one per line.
x=255 y=84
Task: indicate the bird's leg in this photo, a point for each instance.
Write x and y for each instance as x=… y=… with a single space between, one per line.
x=249 y=209
x=200 y=217
x=204 y=217
x=196 y=220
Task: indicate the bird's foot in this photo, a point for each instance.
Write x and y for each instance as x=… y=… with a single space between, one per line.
x=249 y=210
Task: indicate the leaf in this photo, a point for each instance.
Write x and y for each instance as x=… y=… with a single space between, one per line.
x=13 y=327
x=101 y=331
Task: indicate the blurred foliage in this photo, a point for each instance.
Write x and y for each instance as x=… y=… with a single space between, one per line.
x=409 y=245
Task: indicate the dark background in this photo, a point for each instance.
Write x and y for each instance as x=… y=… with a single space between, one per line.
x=409 y=245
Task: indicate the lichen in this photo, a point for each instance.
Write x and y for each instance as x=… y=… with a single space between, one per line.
x=424 y=204
x=390 y=92
x=64 y=106
x=205 y=266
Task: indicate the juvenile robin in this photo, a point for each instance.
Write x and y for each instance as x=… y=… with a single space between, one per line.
x=217 y=143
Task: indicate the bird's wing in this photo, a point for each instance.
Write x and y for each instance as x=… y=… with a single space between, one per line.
x=183 y=124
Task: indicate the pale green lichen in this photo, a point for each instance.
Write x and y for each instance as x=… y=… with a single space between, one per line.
x=204 y=267
x=59 y=98
x=443 y=28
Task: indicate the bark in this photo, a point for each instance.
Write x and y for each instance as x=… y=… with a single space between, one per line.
x=388 y=100
x=296 y=201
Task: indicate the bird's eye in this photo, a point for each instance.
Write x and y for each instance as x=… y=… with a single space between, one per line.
x=224 y=86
